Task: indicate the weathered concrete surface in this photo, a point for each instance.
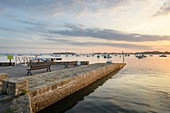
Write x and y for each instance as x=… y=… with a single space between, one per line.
x=63 y=62
x=21 y=104
x=20 y=70
x=48 y=88
x=5 y=102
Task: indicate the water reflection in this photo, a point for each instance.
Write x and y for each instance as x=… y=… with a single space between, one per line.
x=68 y=102
x=142 y=86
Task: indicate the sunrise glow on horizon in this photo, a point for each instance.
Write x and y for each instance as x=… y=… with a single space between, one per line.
x=84 y=26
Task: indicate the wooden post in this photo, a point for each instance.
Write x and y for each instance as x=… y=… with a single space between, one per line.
x=16 y=60
x=123 y=57
x=10 y=62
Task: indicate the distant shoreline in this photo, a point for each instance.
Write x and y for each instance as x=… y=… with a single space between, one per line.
x=73 y=53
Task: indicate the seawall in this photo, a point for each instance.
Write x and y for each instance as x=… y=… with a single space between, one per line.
x=7 y=64
x=45 y=89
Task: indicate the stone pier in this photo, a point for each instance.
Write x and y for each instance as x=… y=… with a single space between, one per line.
x=3 y=76
x=14 y=87
x=43 y=90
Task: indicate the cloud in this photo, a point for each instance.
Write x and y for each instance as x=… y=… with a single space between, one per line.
x=33 y=23
x=2 y=10
x=2 y=38
x=61 y=6
x=107 y=34
x=28 y=25
x=8 y=29
x=164 y=9
x=36 y=26
x=79 y=30
x=87 y=44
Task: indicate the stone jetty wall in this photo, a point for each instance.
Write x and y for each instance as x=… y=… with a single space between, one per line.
x=7 y=64
x=63 y=62
x=14 y=87
x=45 y=89
x=3 y=76
x=48 y=94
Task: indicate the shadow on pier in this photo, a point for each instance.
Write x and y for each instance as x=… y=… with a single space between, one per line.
x=71 y=100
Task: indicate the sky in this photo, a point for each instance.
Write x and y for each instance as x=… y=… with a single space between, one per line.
x=28 y=26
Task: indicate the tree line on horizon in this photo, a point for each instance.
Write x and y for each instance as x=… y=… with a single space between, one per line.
x=153 y=52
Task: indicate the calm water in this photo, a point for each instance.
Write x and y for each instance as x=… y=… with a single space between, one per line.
x=142 y=86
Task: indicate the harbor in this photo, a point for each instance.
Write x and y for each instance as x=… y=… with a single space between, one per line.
x=63 y=72
x=55 y=85
x=134 y=69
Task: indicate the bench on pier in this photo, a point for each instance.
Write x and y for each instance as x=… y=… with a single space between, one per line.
x=73 y=63
x=39 y=66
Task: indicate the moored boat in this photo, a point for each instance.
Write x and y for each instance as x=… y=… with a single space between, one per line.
x=162 y=55
x=141 y=56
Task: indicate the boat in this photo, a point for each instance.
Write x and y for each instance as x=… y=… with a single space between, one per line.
x=46 y=58
x=107 y=56
x=141 y=56
x=151 y=55
x=162 y=55
x=77 y=55
x=88 y=55
x=109 y=61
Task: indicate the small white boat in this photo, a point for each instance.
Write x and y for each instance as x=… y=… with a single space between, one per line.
x=78 y=63
x=109 y=61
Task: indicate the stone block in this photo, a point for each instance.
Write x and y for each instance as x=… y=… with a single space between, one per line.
x=14 y=87
x=3 y=76
x=33 y=93
x=44 y=89
x=54 y=86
